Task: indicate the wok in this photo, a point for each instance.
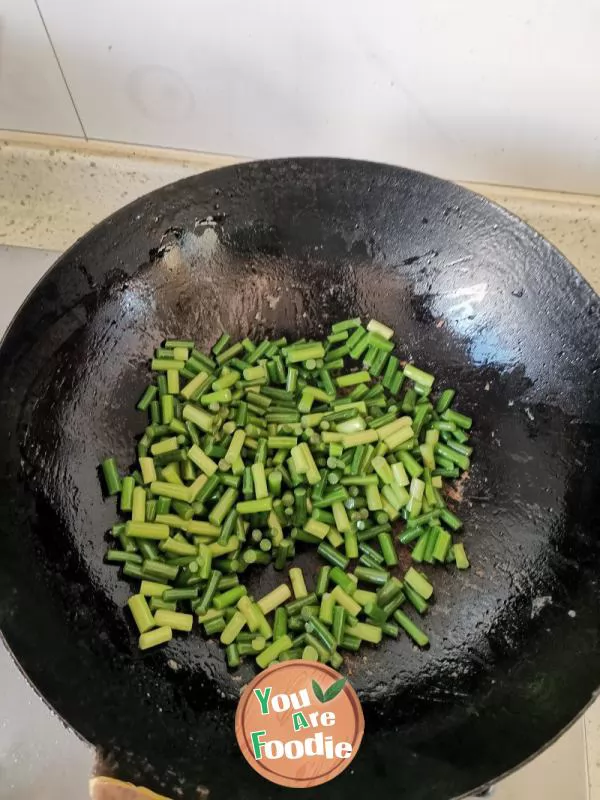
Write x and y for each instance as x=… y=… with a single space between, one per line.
x=287 y=247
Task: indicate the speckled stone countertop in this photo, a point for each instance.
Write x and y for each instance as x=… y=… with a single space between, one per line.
x=52 y=190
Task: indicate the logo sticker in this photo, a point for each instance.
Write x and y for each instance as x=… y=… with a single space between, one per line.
x=299 y=723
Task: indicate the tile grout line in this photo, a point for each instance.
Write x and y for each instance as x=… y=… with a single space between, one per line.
x=64 y=77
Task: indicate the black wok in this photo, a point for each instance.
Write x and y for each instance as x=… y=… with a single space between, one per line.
x=287 y=247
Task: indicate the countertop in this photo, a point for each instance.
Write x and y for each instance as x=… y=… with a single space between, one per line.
x=52 y=190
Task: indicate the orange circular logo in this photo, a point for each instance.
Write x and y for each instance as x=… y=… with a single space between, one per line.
x=299 y=723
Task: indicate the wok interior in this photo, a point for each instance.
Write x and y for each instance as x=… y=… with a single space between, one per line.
x=476 y=298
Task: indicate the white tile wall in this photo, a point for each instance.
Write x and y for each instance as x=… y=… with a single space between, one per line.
x=33 y=95
x=502 y=93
